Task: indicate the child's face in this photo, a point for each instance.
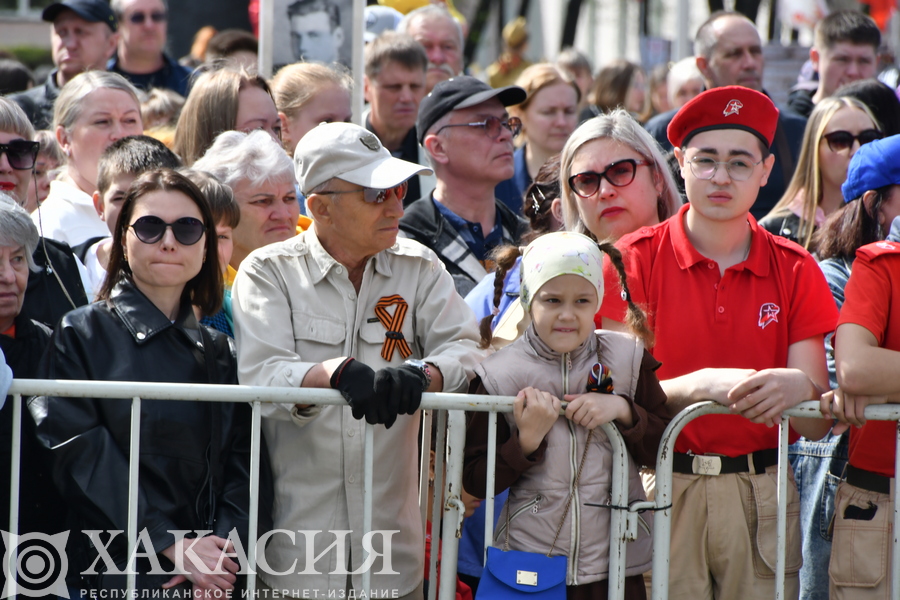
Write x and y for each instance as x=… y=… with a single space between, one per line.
x=110 y=203
x=39 y=185
x=225 y=245
x=563 y=312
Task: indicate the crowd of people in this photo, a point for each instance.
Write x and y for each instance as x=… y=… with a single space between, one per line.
x=606 y=248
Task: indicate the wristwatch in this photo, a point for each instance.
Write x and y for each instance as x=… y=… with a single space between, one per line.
x=422 y=366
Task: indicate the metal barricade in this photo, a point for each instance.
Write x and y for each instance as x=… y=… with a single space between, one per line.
x=448 y=502
x=624 y=526
x=663 y=498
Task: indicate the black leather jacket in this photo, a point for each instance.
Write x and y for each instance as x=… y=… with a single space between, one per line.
x=194 y=457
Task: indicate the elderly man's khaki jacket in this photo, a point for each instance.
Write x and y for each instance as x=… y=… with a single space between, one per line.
x=294 y=306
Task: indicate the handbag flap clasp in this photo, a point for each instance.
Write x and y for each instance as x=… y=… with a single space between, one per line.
x=526 y=578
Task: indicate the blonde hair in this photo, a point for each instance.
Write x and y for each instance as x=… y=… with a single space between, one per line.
x=69 y=104
x=618 y=126
x=807 y=179
x=296 y=84
x=537 y=77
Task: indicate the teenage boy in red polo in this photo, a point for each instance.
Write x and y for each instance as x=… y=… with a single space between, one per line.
x=867 y=359
x=739 y=317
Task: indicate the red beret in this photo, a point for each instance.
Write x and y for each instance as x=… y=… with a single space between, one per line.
x=730 y=107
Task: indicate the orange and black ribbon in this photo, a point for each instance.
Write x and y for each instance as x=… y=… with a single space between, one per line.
x=394 y=339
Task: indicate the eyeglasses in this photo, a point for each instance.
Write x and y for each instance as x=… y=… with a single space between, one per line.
x=739 y=169
x=492 y=126
x=138 y=18
x=841 y=141
x=21 y=154
x=373 y=196
x=187 y=230
x=619 y=174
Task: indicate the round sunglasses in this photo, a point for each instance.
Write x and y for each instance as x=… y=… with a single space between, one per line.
x=841 y=141
x=21 y=154
x=150 y=229
x=619 y=174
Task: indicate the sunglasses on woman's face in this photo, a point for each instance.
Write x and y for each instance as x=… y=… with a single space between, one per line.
x=21 y=154
x=841 y=141
x=619 y=174
x=187 y=230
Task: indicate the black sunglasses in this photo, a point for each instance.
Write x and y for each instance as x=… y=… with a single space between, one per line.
x=619 y=174
x=840 y=141
x=21 y=154
x=139 y=17
x=150 y=229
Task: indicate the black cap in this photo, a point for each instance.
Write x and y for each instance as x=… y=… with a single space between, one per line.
x=95 y=11
x=461 y=92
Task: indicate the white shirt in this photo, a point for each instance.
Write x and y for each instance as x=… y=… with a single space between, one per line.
x=68 y=215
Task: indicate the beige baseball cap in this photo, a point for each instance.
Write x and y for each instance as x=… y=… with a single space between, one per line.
x=351 y=153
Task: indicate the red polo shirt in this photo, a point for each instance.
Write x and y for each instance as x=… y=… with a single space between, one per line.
x=872 y=300
x=745 y=319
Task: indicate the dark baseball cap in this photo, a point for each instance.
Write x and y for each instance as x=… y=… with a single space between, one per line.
x=461 y=92
x=94 y=11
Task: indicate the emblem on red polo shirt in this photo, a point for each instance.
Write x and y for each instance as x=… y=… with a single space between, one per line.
x=733 y=108
x=768 y=313
x=886 y=246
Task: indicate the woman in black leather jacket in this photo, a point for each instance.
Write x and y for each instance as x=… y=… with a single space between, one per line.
x=194 y=456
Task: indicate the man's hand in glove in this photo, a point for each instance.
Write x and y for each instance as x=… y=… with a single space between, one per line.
x=399 y=391
x=356 y=383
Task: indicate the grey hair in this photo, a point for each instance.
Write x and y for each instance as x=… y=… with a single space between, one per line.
x=427 y=13
x=255 y=157
x=681 y=72
x=14 y=120
x=70 y=103
x=17 y=230
x=118 y=6
x=616 y=125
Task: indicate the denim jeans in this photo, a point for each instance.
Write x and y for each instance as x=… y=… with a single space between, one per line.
x=818 y=467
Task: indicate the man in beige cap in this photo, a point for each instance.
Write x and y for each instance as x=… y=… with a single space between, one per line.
x=347 y=305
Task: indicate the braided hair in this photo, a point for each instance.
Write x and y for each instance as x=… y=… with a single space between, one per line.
x=505 y=258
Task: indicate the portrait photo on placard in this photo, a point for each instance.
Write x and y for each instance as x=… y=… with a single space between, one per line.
x=312 y=30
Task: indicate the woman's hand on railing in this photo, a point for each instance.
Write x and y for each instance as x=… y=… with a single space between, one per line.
x=847 y=409
x=591 y=410
x=535 y=413
x=204 y=563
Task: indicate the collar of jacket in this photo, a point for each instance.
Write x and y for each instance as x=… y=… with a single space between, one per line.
x=539 y=348
x=144 y=320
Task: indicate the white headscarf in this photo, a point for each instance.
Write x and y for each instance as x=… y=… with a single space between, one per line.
x=561 y=253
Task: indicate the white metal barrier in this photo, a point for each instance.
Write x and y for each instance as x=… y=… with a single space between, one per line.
x=624 y=524
x=451 y=504
x=663 y=499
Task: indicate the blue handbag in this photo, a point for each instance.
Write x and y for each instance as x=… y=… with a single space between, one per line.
x=514 y=574
x=511 y=574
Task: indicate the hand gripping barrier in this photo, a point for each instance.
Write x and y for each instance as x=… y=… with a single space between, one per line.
x=623 y=522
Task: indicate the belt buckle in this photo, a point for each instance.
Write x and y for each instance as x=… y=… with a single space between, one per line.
x=706 y=465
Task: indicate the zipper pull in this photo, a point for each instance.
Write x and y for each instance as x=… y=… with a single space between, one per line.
x=537 y=505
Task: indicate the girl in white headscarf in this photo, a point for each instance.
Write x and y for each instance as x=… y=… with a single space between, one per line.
x=553 y=463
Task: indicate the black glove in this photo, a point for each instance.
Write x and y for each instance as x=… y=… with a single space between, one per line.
x=356 y=383
x=399 y=390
